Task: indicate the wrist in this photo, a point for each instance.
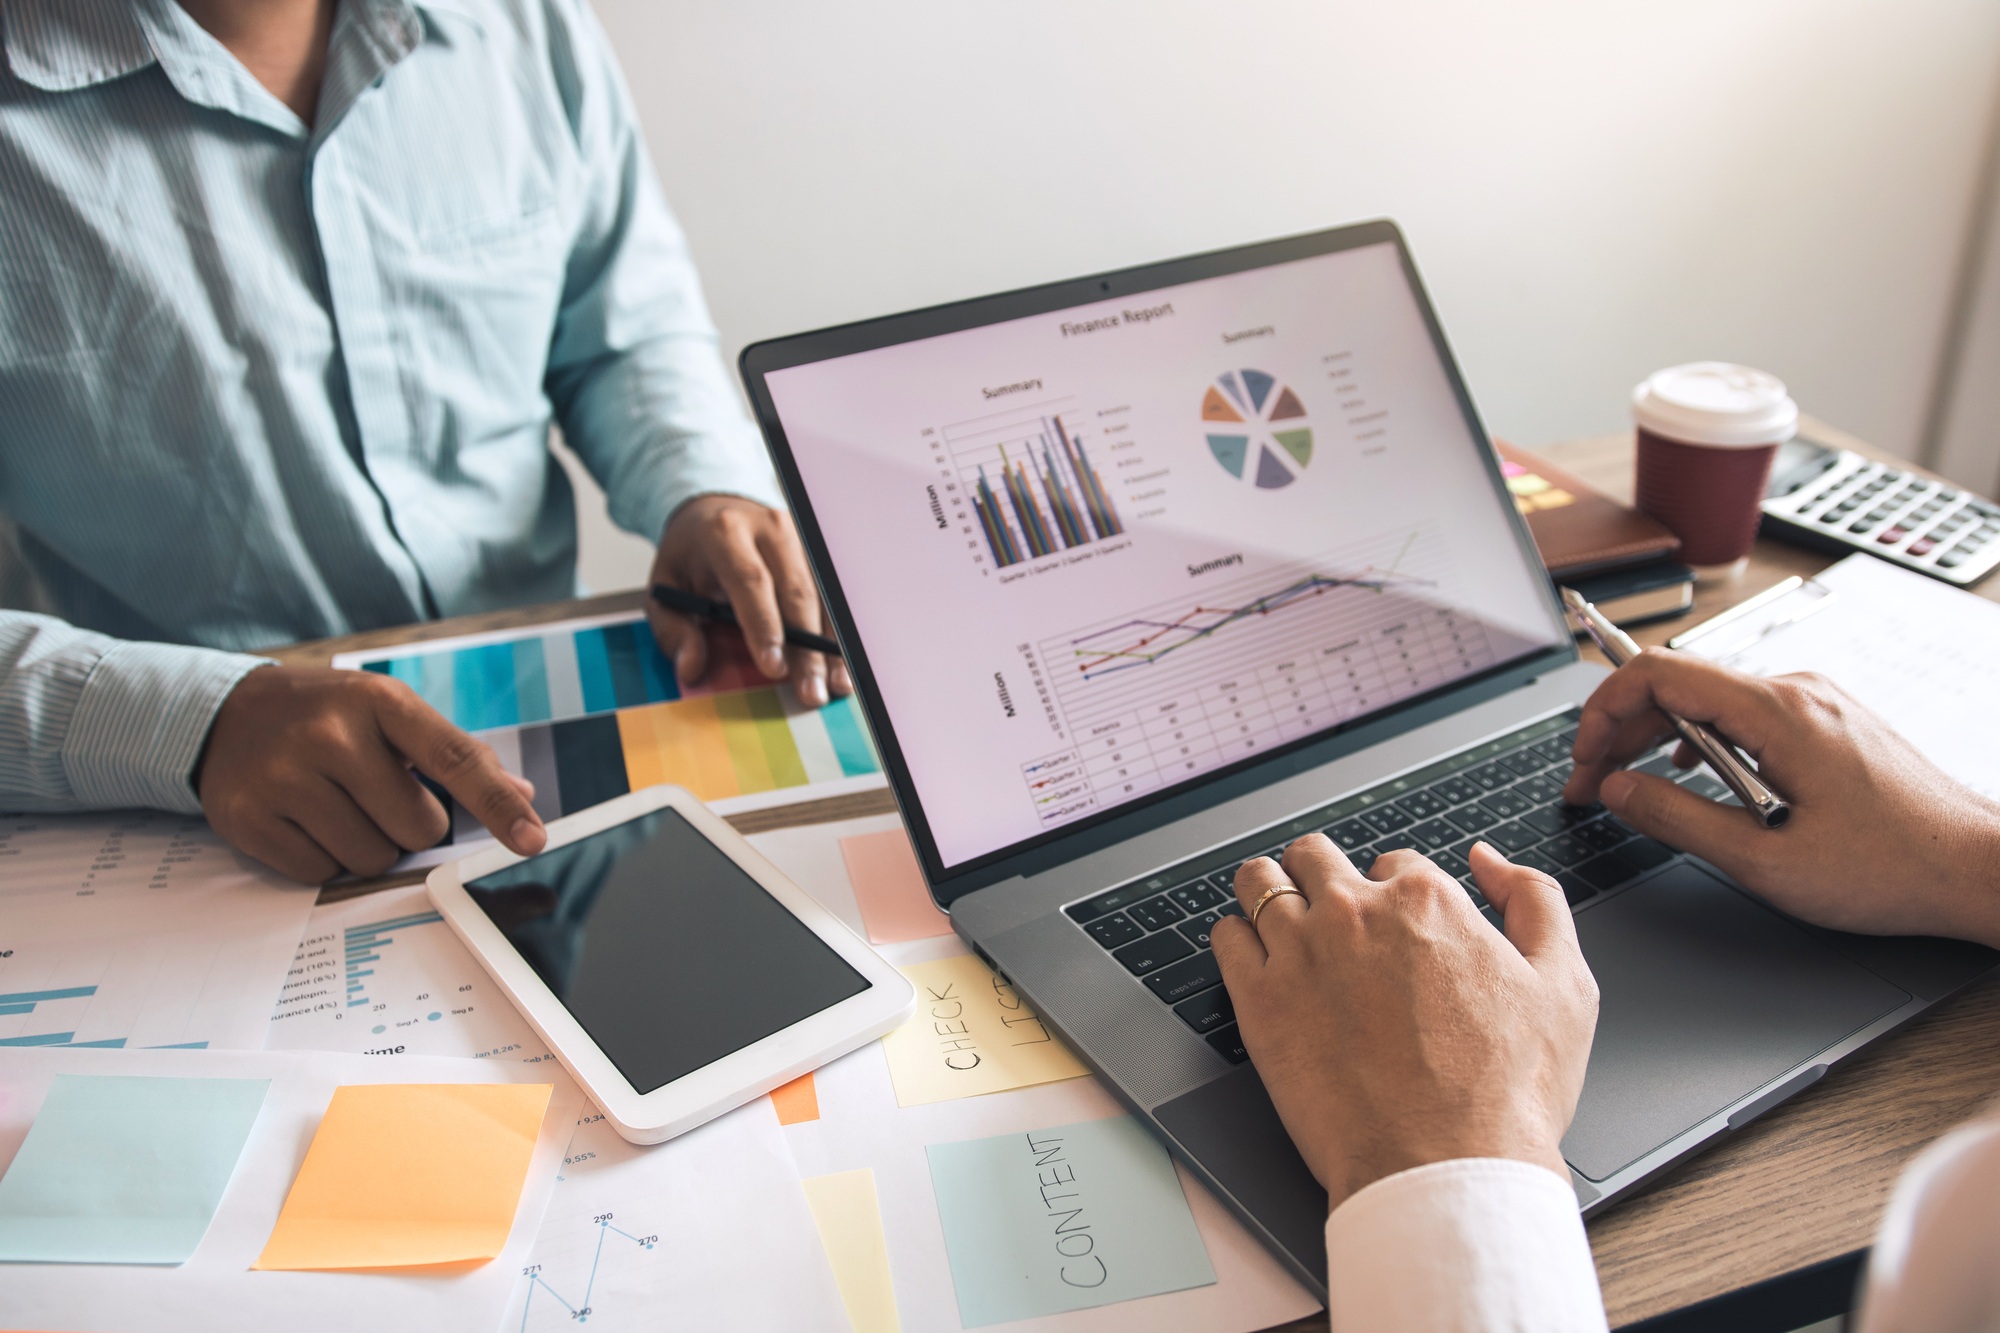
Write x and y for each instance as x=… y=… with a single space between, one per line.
x=1969 y=855
x=1383 y=1160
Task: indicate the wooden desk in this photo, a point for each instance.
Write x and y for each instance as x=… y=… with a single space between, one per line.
x=1804 y=1184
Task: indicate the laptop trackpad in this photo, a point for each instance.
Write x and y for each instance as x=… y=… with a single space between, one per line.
x=1707 y=996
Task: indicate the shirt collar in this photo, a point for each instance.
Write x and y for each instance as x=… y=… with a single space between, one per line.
x=58 y=45
x=63 y=45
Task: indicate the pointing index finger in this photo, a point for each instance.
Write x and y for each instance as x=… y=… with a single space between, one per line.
x=467 y=769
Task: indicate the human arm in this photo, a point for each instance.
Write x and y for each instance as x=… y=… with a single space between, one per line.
x=1426 y=1067
x=89 y=722
x=643 y=397
x=1880 y=840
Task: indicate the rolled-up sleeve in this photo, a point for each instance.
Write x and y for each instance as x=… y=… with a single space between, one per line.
x=88 y=722
x=1469 y=1246
x=635 y=370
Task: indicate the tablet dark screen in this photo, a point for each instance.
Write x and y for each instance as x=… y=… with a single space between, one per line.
x=666 y=952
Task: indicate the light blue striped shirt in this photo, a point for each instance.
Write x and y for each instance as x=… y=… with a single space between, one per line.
x=262 y=382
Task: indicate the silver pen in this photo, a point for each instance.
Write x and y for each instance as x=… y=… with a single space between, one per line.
x=1769 y=808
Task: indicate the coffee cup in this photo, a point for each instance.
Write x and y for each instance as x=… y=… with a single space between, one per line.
x=1707 y=434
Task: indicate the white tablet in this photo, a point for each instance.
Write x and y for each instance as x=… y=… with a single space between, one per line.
x=675 y=972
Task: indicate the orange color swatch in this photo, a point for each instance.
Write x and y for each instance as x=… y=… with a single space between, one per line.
x=401 y=1174
x=797 y=1101
x=889 y=888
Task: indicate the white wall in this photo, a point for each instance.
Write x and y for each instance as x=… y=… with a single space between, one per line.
x=1593 y=188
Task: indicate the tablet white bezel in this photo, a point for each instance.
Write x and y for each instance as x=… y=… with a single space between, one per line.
x=702 y=1094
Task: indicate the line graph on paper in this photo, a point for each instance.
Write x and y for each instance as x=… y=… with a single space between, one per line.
x=559 y=1300
x=1162 y=693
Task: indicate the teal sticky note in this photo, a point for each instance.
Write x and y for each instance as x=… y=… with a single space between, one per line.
x=1063 y=1219
x=124 y=1170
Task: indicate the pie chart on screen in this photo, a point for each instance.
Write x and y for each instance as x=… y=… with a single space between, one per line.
x=1257 y=429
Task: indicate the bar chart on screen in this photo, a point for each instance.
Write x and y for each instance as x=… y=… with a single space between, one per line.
x=1038 y=479
x=591 y=709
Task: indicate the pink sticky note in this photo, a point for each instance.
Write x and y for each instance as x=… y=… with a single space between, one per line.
x=889 y=886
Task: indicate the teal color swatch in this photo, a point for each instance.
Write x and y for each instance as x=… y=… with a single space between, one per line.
x=124 y=1170
x=1063 y=1219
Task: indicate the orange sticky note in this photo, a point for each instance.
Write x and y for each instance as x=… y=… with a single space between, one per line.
x=889 y=888
x=410 y=1173
x=797 y=1101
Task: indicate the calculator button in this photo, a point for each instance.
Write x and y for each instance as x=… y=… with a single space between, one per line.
x=1952 y=559
x=1893 y=535
x=1922 y=546
x=1862 y=525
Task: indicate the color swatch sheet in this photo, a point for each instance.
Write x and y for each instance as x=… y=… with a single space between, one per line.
x=591 y=709
x=138 y=929
x=854 y=1122
x=215 y=1287
x=713 y=1224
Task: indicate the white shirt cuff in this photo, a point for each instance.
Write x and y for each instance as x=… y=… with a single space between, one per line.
x=1480 y=1243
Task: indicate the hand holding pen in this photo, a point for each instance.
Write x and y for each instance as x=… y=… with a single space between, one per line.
x=1722 y=757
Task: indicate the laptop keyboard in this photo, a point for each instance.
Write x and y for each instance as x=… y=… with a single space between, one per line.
x=1506 y=791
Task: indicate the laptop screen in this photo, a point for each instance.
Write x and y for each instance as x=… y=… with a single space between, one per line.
x=1099 y=554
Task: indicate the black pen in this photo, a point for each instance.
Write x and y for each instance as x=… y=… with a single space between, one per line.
x=694 y=604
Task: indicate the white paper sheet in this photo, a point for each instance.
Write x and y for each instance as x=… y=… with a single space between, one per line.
x=215 y=1289
x=734 y=1245
x=712 y=1228
x=1924 y=655
x=383 y=974
x=140 y=929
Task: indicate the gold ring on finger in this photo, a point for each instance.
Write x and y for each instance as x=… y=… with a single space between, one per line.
x=1275 y=891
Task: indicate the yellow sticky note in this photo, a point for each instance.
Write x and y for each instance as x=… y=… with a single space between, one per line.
x=971 y=1035
x=849 y=1219
x=410 y=1173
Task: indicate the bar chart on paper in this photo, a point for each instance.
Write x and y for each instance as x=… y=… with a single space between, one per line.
x=383 y=974
x=591 y=709
x=138 y=929
x=164 y=991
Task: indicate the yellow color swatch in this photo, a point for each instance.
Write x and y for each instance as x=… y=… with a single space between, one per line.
x=849 y=1219
x=682 y=742
x=971 y=1035
x=410 y=1173
x=797 y=1102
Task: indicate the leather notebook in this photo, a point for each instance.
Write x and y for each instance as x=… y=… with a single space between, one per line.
x=1577 y=528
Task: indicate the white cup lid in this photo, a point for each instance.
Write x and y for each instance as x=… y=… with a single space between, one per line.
x=1716 y=403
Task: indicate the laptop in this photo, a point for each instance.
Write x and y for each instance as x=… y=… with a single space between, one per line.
x=1143 y=574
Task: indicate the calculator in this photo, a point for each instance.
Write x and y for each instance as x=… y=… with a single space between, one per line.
x=1837 y=500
